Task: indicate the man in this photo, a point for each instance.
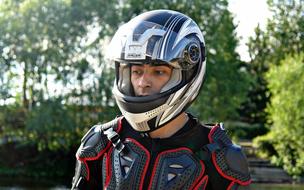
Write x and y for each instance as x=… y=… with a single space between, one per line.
x=160 y=63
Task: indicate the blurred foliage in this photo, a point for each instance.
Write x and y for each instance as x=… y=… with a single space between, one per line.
x=47 y=54
x=49 y=42
x=275 y=98
x=55 y=84
x=51 y=126
x=54 y=44
x=240 y=130
x=284 y=142
x=283 y=36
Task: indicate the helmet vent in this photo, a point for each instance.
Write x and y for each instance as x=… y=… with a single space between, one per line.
x=156 y=111
x=192 y=55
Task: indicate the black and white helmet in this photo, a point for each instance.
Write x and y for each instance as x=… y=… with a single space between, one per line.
x=158 y=37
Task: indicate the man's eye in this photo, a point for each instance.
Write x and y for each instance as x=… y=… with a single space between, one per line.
x=160 y=72
x=136 y=72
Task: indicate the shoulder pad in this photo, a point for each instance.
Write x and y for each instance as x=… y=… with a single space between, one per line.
x=218 y=134
x=229 y=160
x=95 y=141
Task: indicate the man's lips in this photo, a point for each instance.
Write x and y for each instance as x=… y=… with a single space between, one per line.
x=145 y=93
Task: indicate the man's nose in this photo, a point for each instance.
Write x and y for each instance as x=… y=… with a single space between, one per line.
x=144 y=80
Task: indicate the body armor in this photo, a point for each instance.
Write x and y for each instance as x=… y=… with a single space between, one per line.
x=114 y=156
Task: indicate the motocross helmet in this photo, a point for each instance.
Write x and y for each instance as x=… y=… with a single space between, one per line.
x=158 y=37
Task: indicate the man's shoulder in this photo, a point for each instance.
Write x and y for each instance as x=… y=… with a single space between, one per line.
x=95 y=141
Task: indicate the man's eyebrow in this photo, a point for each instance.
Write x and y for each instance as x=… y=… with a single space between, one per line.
x=161 y=65
x=152 y=65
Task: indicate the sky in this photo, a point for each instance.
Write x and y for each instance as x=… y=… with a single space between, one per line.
x=247 y=15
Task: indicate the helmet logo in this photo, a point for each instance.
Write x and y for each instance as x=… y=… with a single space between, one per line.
x=136 y=49
x=135 y=52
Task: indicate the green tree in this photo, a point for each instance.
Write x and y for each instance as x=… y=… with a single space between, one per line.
x=50 y=44
x=49 y=41
x=5 y=84
x=54 y=43
x=252 y=110
x=276 y=59
x=283 y=36
x=286 y=114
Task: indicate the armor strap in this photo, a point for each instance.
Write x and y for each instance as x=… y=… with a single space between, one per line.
x=114 y=138
x=111 y=130
x=206 y=151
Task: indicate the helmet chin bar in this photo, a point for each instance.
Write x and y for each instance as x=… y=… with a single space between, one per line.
x=139 y=121
x=152 y=119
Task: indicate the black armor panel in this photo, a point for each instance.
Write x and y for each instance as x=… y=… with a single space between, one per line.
x=176 y=169
x=93 y=145
x=228 y=159
x=126 y=170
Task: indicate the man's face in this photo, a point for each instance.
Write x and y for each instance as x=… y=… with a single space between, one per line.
x=148 y=80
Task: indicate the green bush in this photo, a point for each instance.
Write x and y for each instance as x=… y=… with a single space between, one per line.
x=286 y=116
x=41 y=142
x=51 y=126
x=265 y=146
x=241 y=130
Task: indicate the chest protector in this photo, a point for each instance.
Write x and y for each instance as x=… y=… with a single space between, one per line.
x=105 y=161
